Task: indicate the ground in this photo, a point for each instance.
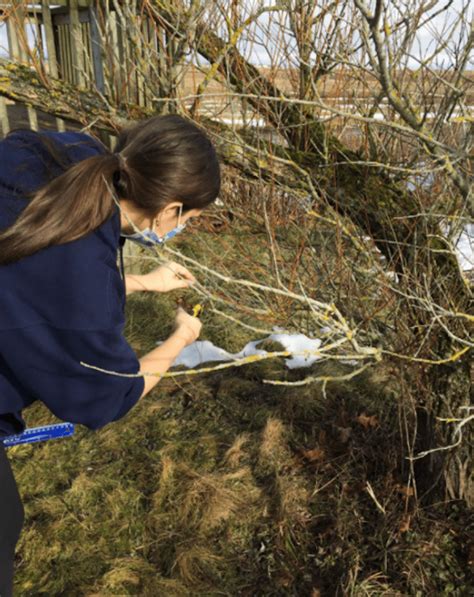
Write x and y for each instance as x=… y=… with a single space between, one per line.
x=220 y=484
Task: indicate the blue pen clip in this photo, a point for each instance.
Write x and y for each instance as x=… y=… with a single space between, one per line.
x=39 y=434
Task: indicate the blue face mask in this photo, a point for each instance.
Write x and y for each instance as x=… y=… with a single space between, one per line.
x=149 y=238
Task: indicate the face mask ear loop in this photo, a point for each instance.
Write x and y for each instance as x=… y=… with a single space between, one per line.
x=117 y=202
x=153 y=248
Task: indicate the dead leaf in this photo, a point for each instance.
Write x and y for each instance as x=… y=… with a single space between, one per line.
x=367 y=421
x=405 y=524
x=314 y=455
x=405 y=490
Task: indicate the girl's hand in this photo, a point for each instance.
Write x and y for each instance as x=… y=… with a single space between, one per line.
x=168 y=276
x=186 y=326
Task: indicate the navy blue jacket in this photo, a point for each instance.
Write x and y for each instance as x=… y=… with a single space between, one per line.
x=62 y=305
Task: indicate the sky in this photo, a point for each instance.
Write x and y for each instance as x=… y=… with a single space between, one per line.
x=261 y=54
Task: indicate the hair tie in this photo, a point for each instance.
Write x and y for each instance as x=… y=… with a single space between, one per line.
x=122 y=160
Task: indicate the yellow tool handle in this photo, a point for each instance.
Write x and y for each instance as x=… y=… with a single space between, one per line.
x=197 y=309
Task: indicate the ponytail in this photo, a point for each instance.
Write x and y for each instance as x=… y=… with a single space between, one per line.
x=167 y=158
x=62 y=210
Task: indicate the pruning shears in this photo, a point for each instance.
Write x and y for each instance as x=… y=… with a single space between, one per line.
x=196 y=310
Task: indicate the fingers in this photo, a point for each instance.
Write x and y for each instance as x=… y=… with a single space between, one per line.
x=185 y=277
x=183 y=272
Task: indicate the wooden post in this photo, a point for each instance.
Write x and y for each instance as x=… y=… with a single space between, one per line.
x=32 y=117
x=115 y=66
x=77 y=47
x=123 y=53
x=96 y=50
x=150 y=55
x=123 y=50
x=162 y=90
x=52 y=59
x=141 y=57
x=86 y=37
x=38 y=36
x=50 y=45
x=64 y=54
x=22 y=37
x=69 y=54
x=13 y=40
x=4 y=123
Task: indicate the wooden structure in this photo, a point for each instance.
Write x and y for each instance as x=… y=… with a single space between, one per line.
x=114 y=47
x=74 y=42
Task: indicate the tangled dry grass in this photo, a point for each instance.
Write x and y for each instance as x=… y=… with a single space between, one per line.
x=222 y=486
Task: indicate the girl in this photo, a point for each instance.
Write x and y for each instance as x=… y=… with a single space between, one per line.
x=62 y=296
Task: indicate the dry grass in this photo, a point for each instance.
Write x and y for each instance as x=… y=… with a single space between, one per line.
x=244 y=497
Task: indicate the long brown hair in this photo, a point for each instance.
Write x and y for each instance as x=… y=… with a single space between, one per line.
x=168 y=158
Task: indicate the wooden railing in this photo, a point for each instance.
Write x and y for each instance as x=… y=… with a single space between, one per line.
x=69 y=44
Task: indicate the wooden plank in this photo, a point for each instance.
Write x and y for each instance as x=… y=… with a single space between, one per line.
x=77 y=49
x=60 y=53
x=32 y=118
x=18 y=22
x=52 y=61
x=69 y=70
x=64 y=54
x=154 y=81
x=38 y=35
x=162 y=53
x=148 y=59
x=140 y=52
x=88 y=74
x=88 y=46
x=96 y=50
x=122 y=52
x=115 y=62
x=12 y=40
x=4 y=122
x=147 y=37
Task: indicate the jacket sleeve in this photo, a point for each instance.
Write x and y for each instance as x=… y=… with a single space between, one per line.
x=46 y=362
